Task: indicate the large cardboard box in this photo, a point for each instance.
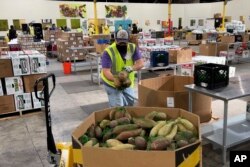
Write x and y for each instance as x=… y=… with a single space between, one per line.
x=29 y=82
x=7 y=104
x=208 y=49
x=190 y=37
x=228 y=39
x=23 y=101
x=37 y=63
x=5 y=67
x=21 y=65
x=36 y=102
x=221 y=47
x=169 y=91
x=182 y=55
x=14 y=85
x=105 y=157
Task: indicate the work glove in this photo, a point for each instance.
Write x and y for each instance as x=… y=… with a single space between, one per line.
x=128 y=69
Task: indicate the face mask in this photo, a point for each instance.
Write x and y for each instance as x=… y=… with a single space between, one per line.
x=122 y=47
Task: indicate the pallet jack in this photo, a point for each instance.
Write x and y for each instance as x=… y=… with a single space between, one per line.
x=59 y=154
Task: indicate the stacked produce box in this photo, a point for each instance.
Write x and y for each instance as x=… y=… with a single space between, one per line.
x=38 y=46
x=25 y=39
x=158 y=136
x=18 y=73
x=52 y=35
x=27 y=43
x=71 y=40
x=3 y=45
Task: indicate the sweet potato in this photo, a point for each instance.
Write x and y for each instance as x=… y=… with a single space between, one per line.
x=121 y=128
x=127 y=134
x=144 y=123
x=160 y=144
x=98 y=132
x=140 y=143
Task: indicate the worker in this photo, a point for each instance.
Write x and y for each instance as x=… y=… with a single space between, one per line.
x=12 y=33
x=121 y=55
x=31 y=30
x=53 y=27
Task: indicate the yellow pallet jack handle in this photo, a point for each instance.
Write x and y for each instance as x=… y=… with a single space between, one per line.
x=69 y=156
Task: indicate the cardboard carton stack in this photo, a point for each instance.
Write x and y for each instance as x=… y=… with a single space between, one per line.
x=3 y=46
x=18 y=73
x=71 y=40
x=52 y=35
x=25 y=39
x=39 y=46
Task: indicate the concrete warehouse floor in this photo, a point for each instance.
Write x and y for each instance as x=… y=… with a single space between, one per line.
x=23 y=139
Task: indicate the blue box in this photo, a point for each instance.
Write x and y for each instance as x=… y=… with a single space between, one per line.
x=159 y=58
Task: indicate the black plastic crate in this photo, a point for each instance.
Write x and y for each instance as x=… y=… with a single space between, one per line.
x=211 y=76
x=159 y=59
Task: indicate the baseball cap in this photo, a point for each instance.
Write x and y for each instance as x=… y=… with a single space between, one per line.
x=122 y=36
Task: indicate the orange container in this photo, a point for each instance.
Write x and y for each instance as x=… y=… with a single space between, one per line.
x=67 y=67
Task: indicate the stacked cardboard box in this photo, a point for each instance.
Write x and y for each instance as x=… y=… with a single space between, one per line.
x=25 y=39
x=3 y=46
x=39 y=46
x=52 y=35
x=18 y=73
x=71 y=40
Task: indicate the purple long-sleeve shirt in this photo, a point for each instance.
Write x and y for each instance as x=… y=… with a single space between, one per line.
x=107 y=62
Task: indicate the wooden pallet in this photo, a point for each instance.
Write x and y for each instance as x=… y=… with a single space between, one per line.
x=18 y=114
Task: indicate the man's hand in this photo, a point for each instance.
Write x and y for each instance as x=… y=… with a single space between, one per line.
x=128 y=69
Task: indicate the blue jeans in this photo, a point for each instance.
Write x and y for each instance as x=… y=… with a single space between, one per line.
x=120 y=97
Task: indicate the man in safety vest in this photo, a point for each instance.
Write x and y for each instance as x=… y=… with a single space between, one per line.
x=119 y=56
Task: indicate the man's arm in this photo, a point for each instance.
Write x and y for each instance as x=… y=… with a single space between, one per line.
x=138 y=61
x=106 y=66
x=107 y=73
x=139 y=64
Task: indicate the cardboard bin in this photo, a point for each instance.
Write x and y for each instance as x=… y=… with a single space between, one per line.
x=104 y=157
x=7 y=104
x=183 y=55
x=169 y=91
x=208 y=49
x=228 y=39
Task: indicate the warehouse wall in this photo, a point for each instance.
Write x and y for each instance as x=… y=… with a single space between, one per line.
x=35 y=10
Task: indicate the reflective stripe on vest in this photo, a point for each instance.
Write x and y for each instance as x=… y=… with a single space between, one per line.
x=118 y=63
